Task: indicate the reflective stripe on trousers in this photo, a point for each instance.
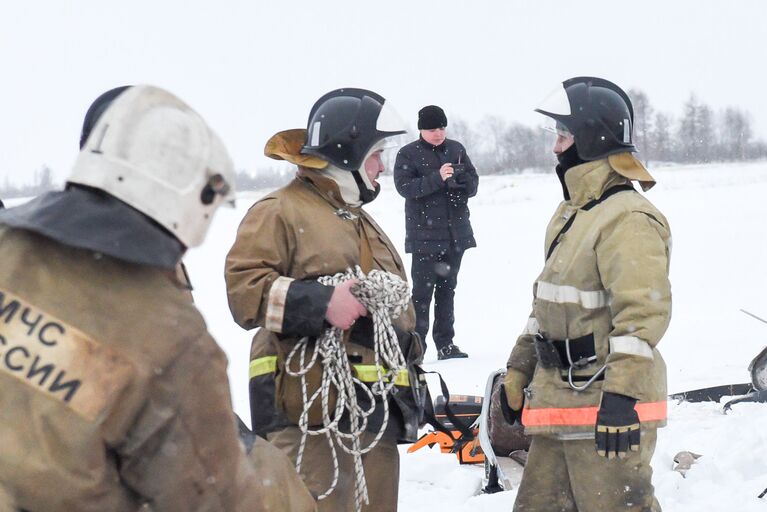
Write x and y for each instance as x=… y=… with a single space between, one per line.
x=364 y=372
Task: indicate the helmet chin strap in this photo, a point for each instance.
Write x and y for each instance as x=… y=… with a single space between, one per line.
x=368 y=191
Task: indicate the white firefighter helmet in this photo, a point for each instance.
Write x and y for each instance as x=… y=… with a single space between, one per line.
x=152 y=151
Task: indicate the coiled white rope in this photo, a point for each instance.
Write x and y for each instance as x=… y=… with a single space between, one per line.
x=385 y=296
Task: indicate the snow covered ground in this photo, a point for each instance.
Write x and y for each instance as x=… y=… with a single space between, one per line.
x=717 y=215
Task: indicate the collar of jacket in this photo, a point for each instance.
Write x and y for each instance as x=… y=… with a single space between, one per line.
x=325 y=187
x=590 y=180
x=93 y=220
x=428 y=145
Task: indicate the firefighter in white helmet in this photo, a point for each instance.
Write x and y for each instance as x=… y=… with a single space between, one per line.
x=115 y=397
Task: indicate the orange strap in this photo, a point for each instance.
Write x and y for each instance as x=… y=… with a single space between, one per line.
x=651 y=411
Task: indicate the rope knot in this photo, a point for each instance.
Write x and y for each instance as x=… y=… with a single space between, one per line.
x=381 y=291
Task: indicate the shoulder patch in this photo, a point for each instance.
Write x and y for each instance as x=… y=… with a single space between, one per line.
x=59 y=361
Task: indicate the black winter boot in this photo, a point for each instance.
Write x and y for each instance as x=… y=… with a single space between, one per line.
x=451 y=352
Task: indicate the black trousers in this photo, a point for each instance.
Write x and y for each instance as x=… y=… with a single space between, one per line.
x=437 y=275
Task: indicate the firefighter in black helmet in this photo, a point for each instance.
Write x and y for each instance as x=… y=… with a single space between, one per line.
x=313 y=227
x=586 y=372
x=597 y=113
x=344 y=125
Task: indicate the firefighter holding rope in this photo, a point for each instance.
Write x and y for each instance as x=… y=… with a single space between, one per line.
x=332 y=379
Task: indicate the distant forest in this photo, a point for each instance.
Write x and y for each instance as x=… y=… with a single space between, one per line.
x=42 y=181
x=698 y=134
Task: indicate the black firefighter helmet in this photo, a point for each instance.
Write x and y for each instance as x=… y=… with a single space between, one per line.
x=597 y=112
x=346 y=123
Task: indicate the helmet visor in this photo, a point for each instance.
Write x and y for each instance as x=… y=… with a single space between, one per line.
x=556 y=103
x=551 y=125
x=389 y=120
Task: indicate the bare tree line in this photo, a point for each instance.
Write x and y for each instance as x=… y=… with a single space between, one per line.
x=264 y=178
x=42 y=181
x=699 y=134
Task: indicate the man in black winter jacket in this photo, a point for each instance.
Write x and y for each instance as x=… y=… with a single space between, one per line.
x=436 y=177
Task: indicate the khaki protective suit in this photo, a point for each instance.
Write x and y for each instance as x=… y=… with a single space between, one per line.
x=277 y=482
x=7 y=503
x=604 y=289
x=114 y=396
x=285 y=242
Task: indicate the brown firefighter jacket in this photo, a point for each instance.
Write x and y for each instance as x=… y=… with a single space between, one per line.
x=114 y=396
x=605 y=288
x=285 y=242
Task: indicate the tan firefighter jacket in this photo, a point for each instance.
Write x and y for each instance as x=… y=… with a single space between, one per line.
x=114 y=396
x=285 y=242
x=604 y=290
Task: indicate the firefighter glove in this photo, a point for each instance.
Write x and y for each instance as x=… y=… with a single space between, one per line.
x=617 y=428
x=513 y=385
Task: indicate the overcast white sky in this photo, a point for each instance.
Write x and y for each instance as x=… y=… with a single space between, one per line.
x=252 y=68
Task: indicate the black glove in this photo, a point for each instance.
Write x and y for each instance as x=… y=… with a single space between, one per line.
x=617 y=428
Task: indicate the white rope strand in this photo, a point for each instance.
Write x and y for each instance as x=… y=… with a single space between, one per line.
x=385 y=296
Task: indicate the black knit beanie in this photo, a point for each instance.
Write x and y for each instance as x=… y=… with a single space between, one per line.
x=431 y=117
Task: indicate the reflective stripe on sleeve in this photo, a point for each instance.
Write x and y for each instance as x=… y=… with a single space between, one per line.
x=571 y=295
x=275 y=309
x=631 y=345
x=575 y=416
x=262 y=366
x=369 y=373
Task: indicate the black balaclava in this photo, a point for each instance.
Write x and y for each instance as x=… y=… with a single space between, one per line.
x=567 y=160
x=96 y=109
